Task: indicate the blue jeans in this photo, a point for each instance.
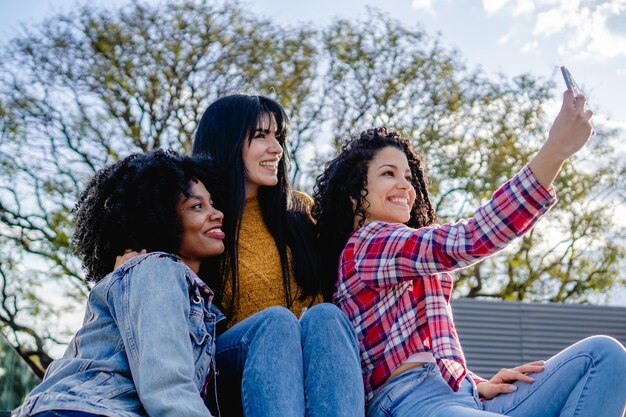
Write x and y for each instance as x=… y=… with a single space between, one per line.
x=273 y=364
x=588 y=379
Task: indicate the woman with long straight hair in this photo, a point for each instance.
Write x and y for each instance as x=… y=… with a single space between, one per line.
x=281 y=345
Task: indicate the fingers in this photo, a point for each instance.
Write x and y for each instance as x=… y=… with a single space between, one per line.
x=530 y=368
x=504 y=388
x=576 y=102
x=128 y=255
x=579 y=101
x=568 y=99
x=511 y=375
x=489 y=390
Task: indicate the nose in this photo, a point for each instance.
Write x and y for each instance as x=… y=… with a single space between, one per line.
x=405 y=184
x=276 y=148
x=215 y=214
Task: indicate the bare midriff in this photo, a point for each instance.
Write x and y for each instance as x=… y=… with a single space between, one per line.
x=405 y=367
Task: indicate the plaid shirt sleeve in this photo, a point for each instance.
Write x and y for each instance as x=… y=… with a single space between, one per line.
x=477 y=379
x=391 y=254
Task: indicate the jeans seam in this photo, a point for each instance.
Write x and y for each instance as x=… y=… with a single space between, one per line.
x=587 y=375
x=244 y=396
x=536 y=387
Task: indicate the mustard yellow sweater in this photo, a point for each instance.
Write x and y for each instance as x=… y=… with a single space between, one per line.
x=259 y=277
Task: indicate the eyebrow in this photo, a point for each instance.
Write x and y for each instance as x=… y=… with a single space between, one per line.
x=392 y=166
x=195 y=196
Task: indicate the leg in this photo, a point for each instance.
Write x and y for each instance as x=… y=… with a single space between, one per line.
x=332 y=367
x=585 y=380
x=259 y=360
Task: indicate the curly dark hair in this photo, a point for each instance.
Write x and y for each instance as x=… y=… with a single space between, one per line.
x=132 y=204
x=344 y=180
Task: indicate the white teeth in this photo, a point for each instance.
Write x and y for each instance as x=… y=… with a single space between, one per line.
x=269 y=164
x=399 y=200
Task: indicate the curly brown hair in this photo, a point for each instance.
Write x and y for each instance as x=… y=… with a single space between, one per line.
x=344 y=180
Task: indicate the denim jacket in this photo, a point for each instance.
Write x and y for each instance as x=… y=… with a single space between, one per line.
x=146 y=346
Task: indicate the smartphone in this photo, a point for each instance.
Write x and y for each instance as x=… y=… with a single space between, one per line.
x=569 y=81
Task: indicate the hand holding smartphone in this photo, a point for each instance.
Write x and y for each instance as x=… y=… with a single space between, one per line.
x=569 y=81
x=571 y=84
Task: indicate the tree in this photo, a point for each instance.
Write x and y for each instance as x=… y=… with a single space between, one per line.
x=85 y=89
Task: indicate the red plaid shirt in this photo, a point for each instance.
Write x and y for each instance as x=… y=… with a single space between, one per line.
x=395 y=282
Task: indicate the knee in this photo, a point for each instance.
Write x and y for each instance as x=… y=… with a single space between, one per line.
x=323 y=315
x=279 y=322
x=328 y=321
x=606 y=348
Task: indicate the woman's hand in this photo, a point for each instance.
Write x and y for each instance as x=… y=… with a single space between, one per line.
x=128 y=255
x=569 y=133
x=501 y=383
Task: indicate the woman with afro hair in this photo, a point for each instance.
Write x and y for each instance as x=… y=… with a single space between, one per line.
x=377 y=224
x=146 y=346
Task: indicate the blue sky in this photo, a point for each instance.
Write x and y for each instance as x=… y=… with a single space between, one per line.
x=509 y=36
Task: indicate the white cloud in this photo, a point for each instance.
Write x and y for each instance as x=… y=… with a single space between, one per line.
x=492 y=6
x=555 y=20
x=426 y=5
x=621 y=71
x=602 y=120
x=523 y=7
x=583 y=29
x=504 y=39
x=531 y=47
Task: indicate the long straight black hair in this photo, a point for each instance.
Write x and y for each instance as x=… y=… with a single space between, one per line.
x=223 y=129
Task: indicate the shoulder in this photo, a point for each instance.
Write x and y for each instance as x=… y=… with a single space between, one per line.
x=380 y=229
x=156 y=267
x=377 y=233
x=153 y=258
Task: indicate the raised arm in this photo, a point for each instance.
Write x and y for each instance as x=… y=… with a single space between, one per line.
x=513 y=210
x=387 y=254
x=569 y=133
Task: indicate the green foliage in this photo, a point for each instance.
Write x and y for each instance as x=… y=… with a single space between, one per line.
x=84 y=89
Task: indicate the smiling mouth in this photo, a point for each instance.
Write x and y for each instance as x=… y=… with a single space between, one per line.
x=216 y=232
x=399 y=200
x=273 y=164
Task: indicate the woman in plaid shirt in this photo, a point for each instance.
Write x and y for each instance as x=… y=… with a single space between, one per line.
x=376 y=222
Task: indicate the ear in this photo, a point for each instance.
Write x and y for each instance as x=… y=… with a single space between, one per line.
x=353 y=202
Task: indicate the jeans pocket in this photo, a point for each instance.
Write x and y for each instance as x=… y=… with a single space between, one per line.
x=197 y=326
x=401 y=386
x=103 y=386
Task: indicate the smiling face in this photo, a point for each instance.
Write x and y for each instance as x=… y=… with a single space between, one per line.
x=201 y=225
x=390 y=194
x=261 y=156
